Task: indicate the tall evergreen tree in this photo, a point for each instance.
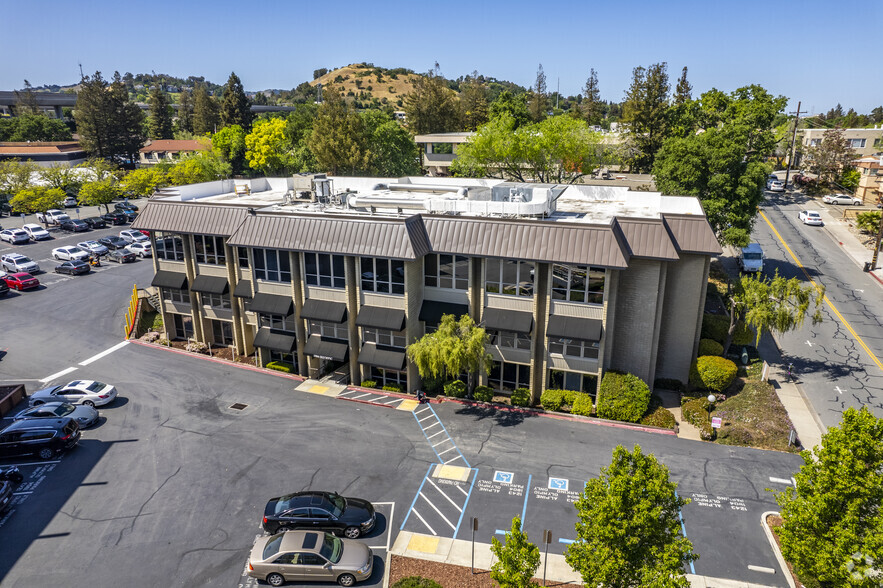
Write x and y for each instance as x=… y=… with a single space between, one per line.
x=474 y=102
x=205 y=111
x=539 y=98
x=128 y=122
x=110 y=125
x=432 y=107
x=646 y=114
x=159 y=123
x=338 y=134
x=235 y=105
x=683 y=89
x=591 y=104
x=185 y=111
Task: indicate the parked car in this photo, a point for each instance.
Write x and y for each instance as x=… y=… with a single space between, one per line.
x=16 y=262
x=53 y=216
x=36 y=232
x=86 y=416
x=121 y=256
x=309 y=556
x=75 y=267
x=69 y=252
x=93 y=247
x=113 y=242
x=10 y=478
x=810 y=217
x=124 y=206
x=133 y=236
x=4 y=287
x=14 y=236
x=841 y=199
x=73 y=225
x=95 y=222
x=21 y=281
x=115 y=218
x=11 y=474
x=71 y=202
x=328 y=511
x=140 y=249
x=86 y=392
x=777 y=186
x=44 y=437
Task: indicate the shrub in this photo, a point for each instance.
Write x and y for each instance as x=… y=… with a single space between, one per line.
x=455 y=389
x=157 y=323
x=743 y=335
x=710 y=347
x=196 y=347
x=706 y=432
x=669 y=384
x=433 y=385
x=695 y=411
x=280 y=366
x=659 y=417
x=369 y=384
x=483 y=394
x=552 y=399
x=150 y=336
x=868 y=222
x=416 y=582
x=715 y=326
x=581 y=405
x=393 y=388
x=162 y=341
x=520 y=397
x=623 y=397
x=570 y=396
x=710 y=372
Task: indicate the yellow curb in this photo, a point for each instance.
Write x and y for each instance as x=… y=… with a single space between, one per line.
x=449 y=472
x=408 y=405
x=423 y=544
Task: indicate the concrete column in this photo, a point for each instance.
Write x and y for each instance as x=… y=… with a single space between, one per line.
x=162 y=305
x=701 y=311
x=538 y=337
x=413 y=302
x=238 y=338
x=195 y=301
x=297 y=288
x=244 y=327
x=351 y=271
x=476 y=300
x=657 y=324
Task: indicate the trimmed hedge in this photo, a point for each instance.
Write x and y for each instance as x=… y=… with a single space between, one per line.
x=743 y=335
x=582 y=405
x=695 y=411
x=623 y=397
x=715 y=326
x=710 y=372
x=520 y=397
x=416 y=582
x=393 y=388
x=433 y=385
x=710 y=347
x=483 y=394
x=280 y=366
x=657 y=416
x=369 y=384
x=455 y=389
x=552 y=399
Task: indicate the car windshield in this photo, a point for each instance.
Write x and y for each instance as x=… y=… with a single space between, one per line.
x=752 y=256
x=273 y=546
x=332 y=548
x=63 y=410
x=339 y=504
x=95 y=386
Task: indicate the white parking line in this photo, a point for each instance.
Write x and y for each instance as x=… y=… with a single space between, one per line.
x=431 y=530
x=58 y=374
x=435 y=508
x=455 y=459
x=425 y=418
x=440 y=442
x=361 y=395
x=421 y=410
x=780 y=481
x=37 y=463
x=446 y=450
x=21 y=493
x=435 y=424
x=393 y=400
x=105 y=352
x=462 y=491
x=454 y=504
x=435 y=434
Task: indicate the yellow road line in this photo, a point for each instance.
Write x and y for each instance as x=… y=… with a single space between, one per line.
x=826 y=299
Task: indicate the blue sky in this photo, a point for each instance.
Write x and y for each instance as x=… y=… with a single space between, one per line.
x=818 y=52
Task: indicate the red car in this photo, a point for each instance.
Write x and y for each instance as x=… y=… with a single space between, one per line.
x=21 y=281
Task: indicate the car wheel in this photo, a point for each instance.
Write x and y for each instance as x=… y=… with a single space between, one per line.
x=37 y=402
x=352 y=532
x=275 y=579
x=56 y=257
x=89 y=403
x=856 y=203
x=46 y=453
x=17 y=478
x=283 y=529
x=346 y=580
x=141 y=255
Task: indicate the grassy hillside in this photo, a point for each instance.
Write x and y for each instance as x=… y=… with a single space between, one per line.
x=367 y=83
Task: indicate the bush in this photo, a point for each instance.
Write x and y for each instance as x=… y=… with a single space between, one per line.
x=695 y=411
x=157 y=322
x=868 y=222
x=520 y=397
x=483 y=394
x=196 y=347
x=743 y=335
x=570 y=396
x=162 y=341
x=455 y=389
x=707 y=432
x=659 y=417
x=714 y=373
x=623 y=397
x=369 y=384
x=150 y=336
x=552 y=399
x=669 y=384
x=710 y=347
x=280 y=366
x=433 y=385
x=715 y=326
x=416 y=582
x=581 y=405
x=393 y=388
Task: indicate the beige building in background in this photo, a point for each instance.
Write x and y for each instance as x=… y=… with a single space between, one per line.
x=870 y=185
x=865 y=142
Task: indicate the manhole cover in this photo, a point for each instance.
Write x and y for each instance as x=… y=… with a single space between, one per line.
x=238 y=406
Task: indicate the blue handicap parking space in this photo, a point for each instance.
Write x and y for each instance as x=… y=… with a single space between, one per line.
x=550 y=506
x=498 y=497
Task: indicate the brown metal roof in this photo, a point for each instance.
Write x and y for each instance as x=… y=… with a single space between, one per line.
x=558 y=242
x=648 y=238
x=370 y=237
x=189 y=217
x=692 y=234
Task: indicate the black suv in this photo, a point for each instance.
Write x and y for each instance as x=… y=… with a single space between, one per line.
x=73 y=225
x=114 y=242
x=42 y=437
x=115 y=218
x=95 y=222
x=124 y=206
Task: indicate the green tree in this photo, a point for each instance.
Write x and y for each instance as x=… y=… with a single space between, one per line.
x=143 y=181
x=184 y=122
x=100 y=192
x=830 y=156
x=513 y=105
x=833 y=512
x=202 y=166
x=645 y=114
x=37 y=199
x=230 y=142
x=849 y=178
x=628 y=532
x=268 y=148
x=109 y=124
x=235 y=105
x=100 y=169
x=517 y=559
x=457 y=346
x=33 y=127
x=16 y=175
x=539 y=97
x=473 y=100
x=683 y=89
x=205 y=111
x=393 y=151
x=432 y=107
x=338 y=140
x=591 y=106
x=299 y=128
x=159 y=122
x=66 y=179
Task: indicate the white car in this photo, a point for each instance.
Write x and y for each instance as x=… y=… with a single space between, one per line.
x=86 y=392
x=131 y=236
x=70 y=252
x=36 y=232
x=810 y=217
x=93 y=247
x=777 y=186
x=14 y=236
x=71 y=202
x=841 y=199
x=16 y=262
x=140 y=249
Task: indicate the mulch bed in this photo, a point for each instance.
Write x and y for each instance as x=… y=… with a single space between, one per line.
x=449 y=576
x=775 y=521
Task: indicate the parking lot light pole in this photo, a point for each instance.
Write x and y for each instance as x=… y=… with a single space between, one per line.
x=711 y=399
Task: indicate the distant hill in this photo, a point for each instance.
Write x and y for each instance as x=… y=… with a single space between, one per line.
x=369 y=84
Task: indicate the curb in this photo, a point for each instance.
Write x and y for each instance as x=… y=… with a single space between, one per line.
x=775 y=547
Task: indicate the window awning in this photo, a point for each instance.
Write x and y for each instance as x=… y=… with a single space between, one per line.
x=568 y=327
x=323 y=310
x=242 y=289
x=377 y=317
x=210 y=285
x=167 y=279
x=272 y=304
x=432 y=311
x=268 y=339
x=391 y=360
x=498 y=319
x=325 y=349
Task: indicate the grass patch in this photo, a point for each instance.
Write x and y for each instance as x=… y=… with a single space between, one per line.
x=753 y=416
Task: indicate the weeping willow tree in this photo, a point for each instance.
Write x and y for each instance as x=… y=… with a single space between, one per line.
x=457 y=346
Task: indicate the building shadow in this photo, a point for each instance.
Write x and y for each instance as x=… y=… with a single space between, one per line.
x=500 y=416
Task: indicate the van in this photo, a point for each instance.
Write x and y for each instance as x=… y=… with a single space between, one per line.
x=751 y=258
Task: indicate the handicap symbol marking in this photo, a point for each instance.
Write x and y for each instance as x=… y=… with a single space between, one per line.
x=503 y=477
x=558 y=484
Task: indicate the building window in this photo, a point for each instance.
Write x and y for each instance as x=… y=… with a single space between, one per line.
x=509 y=276
x=183 y=326
x=385 y=337
x=506 y=377
x=561 y=380
x=216 y=301
x=509 y=339
x=385 y=377
x=289 y=358
x=574 y=347
x=857 y=143
x=222 y=332
x=815 y=142
x=174 y=295
x=330 y=330
x=322 y=269
x=383 y=275
x=277 y=322
x=578 y=283
x=242 y=254
x=446 y=271
x=272 y=265
x=209 y=249
x=169 y=247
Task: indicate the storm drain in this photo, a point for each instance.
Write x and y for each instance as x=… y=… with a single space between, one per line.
x=238 y=406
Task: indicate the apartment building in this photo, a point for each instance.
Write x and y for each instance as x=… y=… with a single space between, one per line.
x=329 y=274
x=864 y=142
x=169 y=150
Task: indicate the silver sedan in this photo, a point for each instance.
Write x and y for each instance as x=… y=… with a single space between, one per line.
x=86 y=416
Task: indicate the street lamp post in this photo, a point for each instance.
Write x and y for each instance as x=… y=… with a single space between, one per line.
x=711 y=400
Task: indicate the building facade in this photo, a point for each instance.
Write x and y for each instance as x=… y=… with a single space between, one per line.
x=45 y=153
x=870 y=185
x=324 y=274
x=864 y=142
x=169 y=150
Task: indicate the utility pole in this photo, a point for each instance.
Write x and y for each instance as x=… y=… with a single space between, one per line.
x=558 y=93
x=791 y=148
